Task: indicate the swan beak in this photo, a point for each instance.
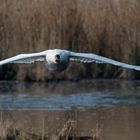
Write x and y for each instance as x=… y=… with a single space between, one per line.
x=57 y=58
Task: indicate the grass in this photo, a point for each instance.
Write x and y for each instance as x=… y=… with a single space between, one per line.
x=106 y=27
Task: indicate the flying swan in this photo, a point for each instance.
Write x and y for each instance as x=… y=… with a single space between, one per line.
x=58 y=60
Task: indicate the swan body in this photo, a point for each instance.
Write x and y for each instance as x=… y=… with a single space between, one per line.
x=58 y=59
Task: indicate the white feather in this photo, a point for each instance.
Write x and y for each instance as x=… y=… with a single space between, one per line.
x=49 y=57
x=25 y=58
x=99 y=59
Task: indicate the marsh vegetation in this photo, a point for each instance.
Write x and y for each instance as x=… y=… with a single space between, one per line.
x=107 y=27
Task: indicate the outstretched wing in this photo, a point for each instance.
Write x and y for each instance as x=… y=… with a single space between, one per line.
x=89 y=58
x=25 y=58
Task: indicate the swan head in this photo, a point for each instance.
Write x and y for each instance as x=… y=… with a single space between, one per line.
x=55 y=56
x=57 y=60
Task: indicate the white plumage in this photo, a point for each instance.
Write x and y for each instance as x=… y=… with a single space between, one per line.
x=58 y=60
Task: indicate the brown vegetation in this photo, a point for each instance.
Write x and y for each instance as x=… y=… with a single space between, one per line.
x=68 y=132
x=107 y=27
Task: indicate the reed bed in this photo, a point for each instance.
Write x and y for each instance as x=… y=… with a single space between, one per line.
x=67 y=132
x=107 y=27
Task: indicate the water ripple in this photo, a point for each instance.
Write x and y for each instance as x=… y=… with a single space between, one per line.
x=64 y=102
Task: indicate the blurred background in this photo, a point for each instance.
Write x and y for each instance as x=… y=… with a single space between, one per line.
x=109 y=28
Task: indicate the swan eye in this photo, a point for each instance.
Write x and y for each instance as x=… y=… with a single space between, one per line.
x=57 y=58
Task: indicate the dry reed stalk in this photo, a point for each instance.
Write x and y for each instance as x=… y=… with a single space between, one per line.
x=65 y=131
x=107 y=27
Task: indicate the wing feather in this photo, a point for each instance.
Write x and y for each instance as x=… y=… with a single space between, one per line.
x=25 y=58
x=89 y=58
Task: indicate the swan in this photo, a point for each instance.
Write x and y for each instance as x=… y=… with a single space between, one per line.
x=58 y=59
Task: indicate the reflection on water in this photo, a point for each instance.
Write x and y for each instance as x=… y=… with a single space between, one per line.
x=112 y=106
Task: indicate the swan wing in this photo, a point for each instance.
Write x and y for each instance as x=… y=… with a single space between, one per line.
x=25 y=58
x=90 y=57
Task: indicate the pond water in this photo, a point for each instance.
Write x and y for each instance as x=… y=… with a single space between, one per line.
x=108 y=108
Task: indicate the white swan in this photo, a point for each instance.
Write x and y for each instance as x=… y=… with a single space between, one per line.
x=58 y=60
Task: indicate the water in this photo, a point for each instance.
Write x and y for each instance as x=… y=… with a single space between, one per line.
x=110 y=107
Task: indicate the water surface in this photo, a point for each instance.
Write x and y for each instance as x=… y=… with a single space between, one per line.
x=109 y=106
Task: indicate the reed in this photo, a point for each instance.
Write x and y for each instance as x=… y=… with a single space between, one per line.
x=67 y=132
x=107 y=27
